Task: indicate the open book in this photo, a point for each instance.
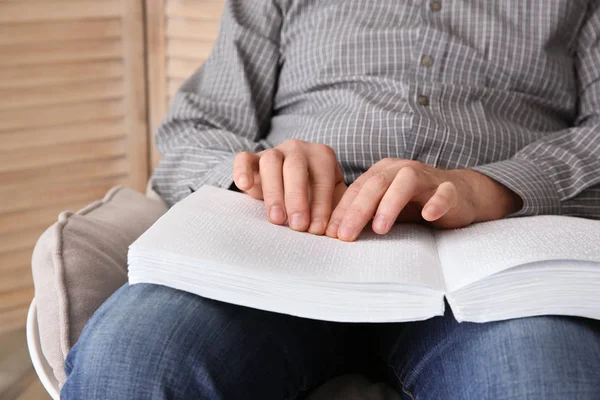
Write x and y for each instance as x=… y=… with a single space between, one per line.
x=219 y=244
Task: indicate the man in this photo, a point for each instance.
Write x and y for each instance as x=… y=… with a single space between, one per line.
x=444 y=111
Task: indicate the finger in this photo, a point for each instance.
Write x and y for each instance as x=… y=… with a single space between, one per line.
x=324 y=173
x=245 y=165
x=295 y=183
x=256 y=190
x=364 y=205
x=352 y=191
x=271 y=179
x=344 y=204
x=443 y=200
x=338 y=193
x=407 y=184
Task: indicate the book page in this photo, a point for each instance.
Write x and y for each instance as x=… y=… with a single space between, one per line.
x=228 y=228
x=473 y=253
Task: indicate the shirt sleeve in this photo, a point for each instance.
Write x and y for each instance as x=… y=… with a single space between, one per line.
x=225 y=107
x=560 y=173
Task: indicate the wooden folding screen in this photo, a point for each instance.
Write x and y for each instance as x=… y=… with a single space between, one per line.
x=73 y=121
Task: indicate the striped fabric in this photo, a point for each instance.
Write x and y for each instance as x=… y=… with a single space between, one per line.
x=509 y=88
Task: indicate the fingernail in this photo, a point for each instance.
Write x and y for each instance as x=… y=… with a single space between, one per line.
x=297 y=221
x=316 y=226
x=243 y=180
x=380 y=224
x=346 y=231
x=431 y=211
x=332 y=229
x=276 y=214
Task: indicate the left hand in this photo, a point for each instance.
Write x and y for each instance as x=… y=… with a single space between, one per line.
x=404 y=190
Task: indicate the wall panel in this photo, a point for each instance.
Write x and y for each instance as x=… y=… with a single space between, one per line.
x=73 y=121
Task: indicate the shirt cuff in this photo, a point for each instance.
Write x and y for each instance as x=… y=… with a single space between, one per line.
x=222 y=174
x=528 y=181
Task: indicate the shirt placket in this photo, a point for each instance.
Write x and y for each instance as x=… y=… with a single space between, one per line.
x=425 y=94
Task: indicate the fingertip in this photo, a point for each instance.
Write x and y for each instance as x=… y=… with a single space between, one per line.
x=347 y=239
x=347 y=232
x=299 y=222
x=332 y=229
x=380 y=225
x=431 y=213
x=317 y=227
x=245 y=165
x=277 y=215
x=242 y=181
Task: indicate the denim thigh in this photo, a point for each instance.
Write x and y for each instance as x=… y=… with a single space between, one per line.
x=153 y=342
x=547 y=357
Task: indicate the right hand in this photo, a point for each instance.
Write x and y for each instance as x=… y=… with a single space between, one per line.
x=300 y=182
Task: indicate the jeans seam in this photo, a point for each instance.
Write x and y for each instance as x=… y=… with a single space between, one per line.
x=402 y=385
x=418 y=369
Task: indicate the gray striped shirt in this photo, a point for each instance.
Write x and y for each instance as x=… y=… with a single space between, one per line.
x=509 y=88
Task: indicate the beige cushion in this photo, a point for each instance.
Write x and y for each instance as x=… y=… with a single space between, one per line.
x=80 y=261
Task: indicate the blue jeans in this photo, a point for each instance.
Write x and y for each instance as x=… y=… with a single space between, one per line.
x=154 y=342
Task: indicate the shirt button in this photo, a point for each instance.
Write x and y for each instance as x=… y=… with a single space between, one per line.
x=435 y=5
x=423 y=100
x=426 y=61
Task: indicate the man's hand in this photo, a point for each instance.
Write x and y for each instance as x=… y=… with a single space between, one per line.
x=299 y=181
x=403 y=190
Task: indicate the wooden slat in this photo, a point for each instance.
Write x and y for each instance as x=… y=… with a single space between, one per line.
x=61 y=94
x=182 y=69
x=58 y=31
x=11 y=342
x=17 y=297
x=20 y=296
x=135 y=89
x=35 y=391
x=37 y=75
x=188 y=49
x=43 y=157
x=36 y=218
x=92 y=130
x=19 y=240
x=173 y=86
x=14 y=12
x=203 y=10
x=66 y=172
x=60 y=52
x=33 y=118
x=11 y=260
x=13 y=319
x=37 y=197
x=156 y=81
x=17 y=276
x=184 y=28
x=15 y=366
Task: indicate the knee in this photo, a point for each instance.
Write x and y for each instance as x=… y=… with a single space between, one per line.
x=543 y=357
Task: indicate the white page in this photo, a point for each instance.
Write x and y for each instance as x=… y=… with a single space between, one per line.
x=473 y=253
x=228 y=228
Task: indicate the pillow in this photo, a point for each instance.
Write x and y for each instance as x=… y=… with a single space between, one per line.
x=80 y=261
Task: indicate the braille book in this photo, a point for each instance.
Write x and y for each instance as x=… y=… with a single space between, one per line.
x=219 y=244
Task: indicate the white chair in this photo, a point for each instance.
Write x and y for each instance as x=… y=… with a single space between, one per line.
x=41 y=366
